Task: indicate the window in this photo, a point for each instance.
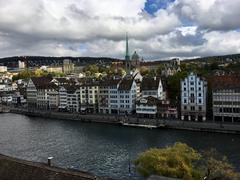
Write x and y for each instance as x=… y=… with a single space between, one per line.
x=185 y=107
x=200 y=101
x=200 y=94
x=192 y=83
x=192 y=108
x=200 y=108
x=185 y=101
x=192 y=88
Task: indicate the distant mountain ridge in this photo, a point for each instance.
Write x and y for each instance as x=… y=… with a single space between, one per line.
x=35 y=61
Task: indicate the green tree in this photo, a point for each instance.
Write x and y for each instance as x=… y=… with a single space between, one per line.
x=214 y=66
x=25 y=74
x=217 y=166
x=91 y=69
x=175 y=161
x=160 y=68
x=144 y=71
x=182 y=161
x=173 y=85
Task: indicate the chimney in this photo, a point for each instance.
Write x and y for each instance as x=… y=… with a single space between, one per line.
x=50 y=161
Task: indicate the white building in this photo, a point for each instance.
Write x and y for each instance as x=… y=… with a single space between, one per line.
x=68 y=66
x=117 y=96
x=3 y=69
x=73 y=98
x=127 y=96
x=108 y=96
x=171 y=67
x=18 y=99
x=53 y=96
x=62 y=98
x=37 y=92
x=147 y=107
x=89 y=96
x=21 y=64
x=226 y=98
x=193 y=98
x=31 y=94
x=153 y=87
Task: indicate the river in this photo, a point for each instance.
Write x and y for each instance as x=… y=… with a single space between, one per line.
x=104 y=150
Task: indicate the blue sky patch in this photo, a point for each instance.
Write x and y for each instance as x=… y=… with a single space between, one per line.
x=152 y=6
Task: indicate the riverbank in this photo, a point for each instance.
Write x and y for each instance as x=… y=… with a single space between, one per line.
x=135 y=122
x=15 y=169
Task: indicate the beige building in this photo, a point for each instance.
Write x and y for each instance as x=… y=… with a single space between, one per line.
x=226 y=98
x=68 y=66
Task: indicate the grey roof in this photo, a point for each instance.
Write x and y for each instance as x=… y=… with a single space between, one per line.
x=126 y=84
x=150 y=83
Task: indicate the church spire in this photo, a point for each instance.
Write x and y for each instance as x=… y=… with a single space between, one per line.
x=127 y=57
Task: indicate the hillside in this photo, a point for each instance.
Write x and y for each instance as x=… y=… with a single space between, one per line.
x=34 y=61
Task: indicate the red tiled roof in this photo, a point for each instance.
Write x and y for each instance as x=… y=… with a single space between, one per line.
x=226 y=82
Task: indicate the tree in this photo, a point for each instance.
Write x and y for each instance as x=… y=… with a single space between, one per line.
x=91 y=69
x=217 y=166
x=175 y=161
x=160 y=68
x=183 y=162
x=173 y=85
x=144 y=70
x=214 y=66
x=25 y=74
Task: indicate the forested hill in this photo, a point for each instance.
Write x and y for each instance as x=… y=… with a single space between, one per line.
x=217 y=58
x=42 y=60
x=35 y=61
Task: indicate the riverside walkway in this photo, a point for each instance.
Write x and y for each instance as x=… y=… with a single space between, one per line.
x=208 y=126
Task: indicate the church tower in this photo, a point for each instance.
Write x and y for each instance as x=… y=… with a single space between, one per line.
x=127 y=58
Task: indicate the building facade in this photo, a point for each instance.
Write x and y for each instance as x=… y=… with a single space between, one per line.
x=226 y=98
x=117 y=96
x=68 y=66
x=89 y=96
x=153 y=87
x=193 y=98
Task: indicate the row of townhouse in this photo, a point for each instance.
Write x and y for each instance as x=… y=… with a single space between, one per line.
x=59 y=94
x=225 y=98
x=146 y=98
x=112 y=95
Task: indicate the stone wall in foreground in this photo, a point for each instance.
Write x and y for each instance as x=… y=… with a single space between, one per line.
x=16 y=169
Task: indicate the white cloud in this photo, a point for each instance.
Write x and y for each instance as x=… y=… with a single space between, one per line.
x=209 y=14
x=186 y=28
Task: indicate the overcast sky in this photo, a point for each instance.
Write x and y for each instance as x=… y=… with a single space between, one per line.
x=158 y=29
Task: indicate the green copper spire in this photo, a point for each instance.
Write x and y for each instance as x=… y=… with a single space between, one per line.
x=127 y=57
